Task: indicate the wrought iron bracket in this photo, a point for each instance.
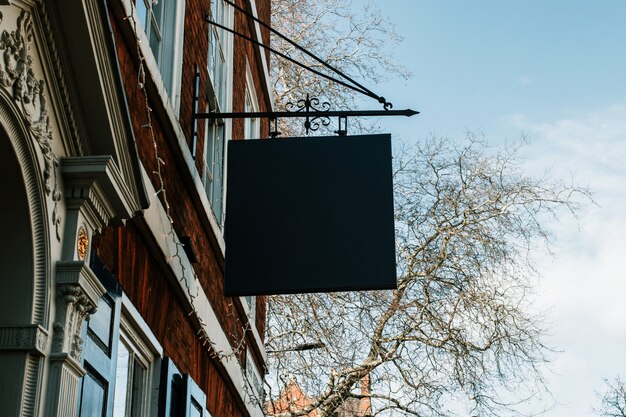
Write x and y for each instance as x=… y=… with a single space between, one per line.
x=314 y=113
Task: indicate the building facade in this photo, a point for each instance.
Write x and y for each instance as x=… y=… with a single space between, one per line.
x=111 y=287
x=293 y=400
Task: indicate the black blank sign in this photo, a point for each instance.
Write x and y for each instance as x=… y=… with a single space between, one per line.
x=309 y=215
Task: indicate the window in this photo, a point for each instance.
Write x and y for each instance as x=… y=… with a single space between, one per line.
x=220 y=47
x=162 y=22
x=251 y=303
x=129 y=383
x=122 y=359
x=219 y=68
x=133 y=373
x=254 y=377
x=251 y=125
x=213 y=171
x=181 y=396
x=251 y=104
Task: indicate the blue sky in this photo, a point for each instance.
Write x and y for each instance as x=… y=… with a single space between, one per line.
x=476 y=62
x=554 y=70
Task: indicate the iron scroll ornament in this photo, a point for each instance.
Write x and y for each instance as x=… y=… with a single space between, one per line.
x=309 y=105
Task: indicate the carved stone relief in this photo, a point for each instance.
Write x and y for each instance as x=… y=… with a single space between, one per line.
x=77 y=307
x=78 y=291
x=31 y=338
x=82 y=244
x=17 y=77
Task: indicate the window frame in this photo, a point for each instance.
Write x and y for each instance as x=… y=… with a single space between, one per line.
x=143 y=346
x=164 y=55
x=219 y=86
x=252 y=126
x=253 y=376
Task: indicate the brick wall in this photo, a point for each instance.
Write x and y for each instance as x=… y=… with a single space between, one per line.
x=143 y=279
x=130 y=252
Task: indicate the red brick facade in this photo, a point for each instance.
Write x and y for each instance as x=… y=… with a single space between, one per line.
x=131 y=252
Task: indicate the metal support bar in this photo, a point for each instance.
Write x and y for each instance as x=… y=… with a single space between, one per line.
x=343 y=126
x=196 y=89
x=329 y=113
x=274 y=133
x=363 y=89
x=385 y=103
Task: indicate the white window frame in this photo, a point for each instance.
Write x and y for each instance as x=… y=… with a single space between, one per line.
x=147 y=351
x=215 y=149
x=250 y=308
x=166 y=60
x=219 y=97
x=253 y=377
x=220 y=85
x=252 y=126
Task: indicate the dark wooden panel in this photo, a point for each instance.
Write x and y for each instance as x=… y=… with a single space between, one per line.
x=309 y=215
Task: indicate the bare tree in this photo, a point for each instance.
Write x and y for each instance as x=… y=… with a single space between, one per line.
x=613 y=399
x=458 y=335
x=352 y=36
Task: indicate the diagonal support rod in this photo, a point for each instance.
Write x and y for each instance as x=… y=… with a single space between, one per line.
x=290 y=59
x=361 y=89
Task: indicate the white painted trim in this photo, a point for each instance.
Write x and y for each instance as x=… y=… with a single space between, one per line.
x=171 y=104
x=133 y=317
x=253 y=329
x=228 y=128
x=259 y=38
x=157 y=221
x=250 y=89
x=177 y=68
x=135 y=333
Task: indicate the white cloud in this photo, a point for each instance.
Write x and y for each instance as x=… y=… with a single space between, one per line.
x=584 y=286
x=523 y=80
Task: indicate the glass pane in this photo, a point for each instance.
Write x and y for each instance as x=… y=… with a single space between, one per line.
x=142 y=13
x=92 y=402
x=221 y=76
x=100 y=324
x=195 y=409
x=122 y=373
x=209 y=153
x=137 y=393
x=211 y=58
x=254 y=130
x=157 y=13
x=155 y=37
x=218 y=168
x=250 y=300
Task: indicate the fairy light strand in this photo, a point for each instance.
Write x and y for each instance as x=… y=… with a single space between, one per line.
x=187 y=275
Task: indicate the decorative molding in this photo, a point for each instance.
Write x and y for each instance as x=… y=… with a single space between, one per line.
x=12 y=123
x=17 y=76
x=95 y=183
x=77 y=307
x=82 y=243
x=53 y=58
x=32 y=338
x=78 y=291
x=32 y=377
x=78 y=273
x=62 y=393
x=18 y=79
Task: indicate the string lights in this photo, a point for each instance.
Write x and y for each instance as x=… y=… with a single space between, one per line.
x=187 y=275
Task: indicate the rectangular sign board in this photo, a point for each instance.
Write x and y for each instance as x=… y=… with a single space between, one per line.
x=309 y=215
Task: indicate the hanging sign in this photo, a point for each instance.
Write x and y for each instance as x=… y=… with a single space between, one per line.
x=309 y=215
